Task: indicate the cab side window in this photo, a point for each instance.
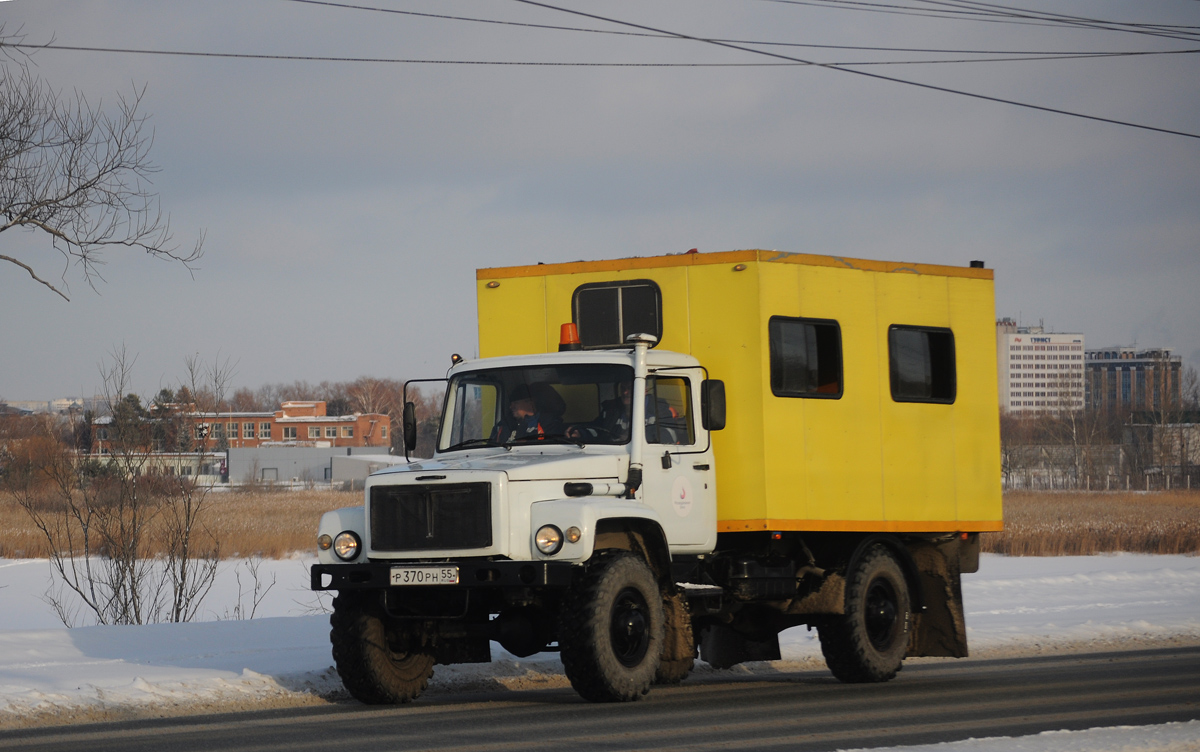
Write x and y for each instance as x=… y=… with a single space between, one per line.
x=669 y=411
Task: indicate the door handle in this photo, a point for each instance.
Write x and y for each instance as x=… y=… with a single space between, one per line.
x=699 y=467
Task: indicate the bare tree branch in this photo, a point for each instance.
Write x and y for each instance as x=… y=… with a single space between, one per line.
x=34 y=275
x=78 y=173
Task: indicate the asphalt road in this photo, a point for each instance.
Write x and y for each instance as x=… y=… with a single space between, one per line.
x=930 y=702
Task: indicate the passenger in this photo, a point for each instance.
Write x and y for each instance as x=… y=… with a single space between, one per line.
x=617 y=413
x=612 y=425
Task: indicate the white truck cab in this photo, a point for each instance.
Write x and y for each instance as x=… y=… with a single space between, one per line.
x=498 y=482
x=536 y=469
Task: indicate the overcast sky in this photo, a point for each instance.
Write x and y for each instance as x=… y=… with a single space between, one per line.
x=346 y=205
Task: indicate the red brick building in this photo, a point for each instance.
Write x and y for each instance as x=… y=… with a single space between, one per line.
x=296 y=423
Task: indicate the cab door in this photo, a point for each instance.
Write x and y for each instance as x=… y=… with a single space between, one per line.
x=678 y=476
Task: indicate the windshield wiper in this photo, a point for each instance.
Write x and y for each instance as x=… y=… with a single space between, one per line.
x=551 y=438
x=472 y=443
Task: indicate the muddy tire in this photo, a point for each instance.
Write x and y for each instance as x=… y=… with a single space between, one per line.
x=868 y=643
x=612 y=628
x=679 y=645
x=378 y=665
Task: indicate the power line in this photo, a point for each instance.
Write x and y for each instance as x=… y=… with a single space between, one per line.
x=789 y=61
x=552 y=64
x=878 y=76
x=964 y=10
x=1005 y=10
x=414 y=61
x=862 y=48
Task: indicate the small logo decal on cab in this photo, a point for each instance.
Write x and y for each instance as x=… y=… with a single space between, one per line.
x=681 y=496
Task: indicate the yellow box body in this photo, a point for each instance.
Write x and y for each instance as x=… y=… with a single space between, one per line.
x=860 y=463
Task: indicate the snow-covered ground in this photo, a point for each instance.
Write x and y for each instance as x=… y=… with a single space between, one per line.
x=1014 y=605
x=1169 y=737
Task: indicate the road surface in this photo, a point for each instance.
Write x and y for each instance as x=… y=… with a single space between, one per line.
x=928 y=702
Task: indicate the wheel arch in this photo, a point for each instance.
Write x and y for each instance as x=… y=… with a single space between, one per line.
x=638 y=535
x=908 y=565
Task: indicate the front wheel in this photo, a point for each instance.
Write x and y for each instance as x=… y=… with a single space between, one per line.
x=612 y=628
x=869 y=641
x=379 y=663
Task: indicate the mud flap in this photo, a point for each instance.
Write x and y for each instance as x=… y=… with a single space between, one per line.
x=463 y=650
x=940 y=628
x=723 y=647
x=678 y=644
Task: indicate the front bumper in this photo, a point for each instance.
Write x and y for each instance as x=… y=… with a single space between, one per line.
x=376 y=575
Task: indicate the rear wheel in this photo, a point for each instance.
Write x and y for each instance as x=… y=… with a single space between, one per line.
x=611 y=633
x=379 y=663
x=869 y=641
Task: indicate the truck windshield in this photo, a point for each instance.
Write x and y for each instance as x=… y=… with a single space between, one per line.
x=577 y=404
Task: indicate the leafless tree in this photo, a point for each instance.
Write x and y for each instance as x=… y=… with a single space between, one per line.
x=96 y=517
x=128 y=541
x=371 y=395
x=1190 y=388
x=1082 y=434
x=191 y=551
x=1172 y=447
x=244 y=401
x=259 y=587
x=78 y=174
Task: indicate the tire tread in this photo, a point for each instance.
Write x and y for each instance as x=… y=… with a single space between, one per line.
x=592 y=669
x=362 y=656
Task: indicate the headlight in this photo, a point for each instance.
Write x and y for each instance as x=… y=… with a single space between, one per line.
x=549 y=539
x=324 y=542
x=346 y=545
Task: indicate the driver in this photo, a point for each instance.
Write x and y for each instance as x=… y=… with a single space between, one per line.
x=524 y=420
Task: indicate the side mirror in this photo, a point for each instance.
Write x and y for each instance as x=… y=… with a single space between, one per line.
x=712 y=404
x=410 y=426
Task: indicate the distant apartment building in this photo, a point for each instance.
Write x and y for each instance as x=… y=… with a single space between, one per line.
x=1039 y=371
x=61 y=406
x=1127 y=379
x=296 y=423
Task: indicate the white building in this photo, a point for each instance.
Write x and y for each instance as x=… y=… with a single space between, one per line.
x=1039 y=371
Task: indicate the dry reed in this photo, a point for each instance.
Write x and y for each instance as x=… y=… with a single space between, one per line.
x=277 y=524
x=272 y=524
x=1067 y=523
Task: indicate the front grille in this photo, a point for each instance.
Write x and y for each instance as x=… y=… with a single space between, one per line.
x=427 y=518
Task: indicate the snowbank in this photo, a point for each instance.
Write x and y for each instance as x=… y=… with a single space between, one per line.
x=1169 y=737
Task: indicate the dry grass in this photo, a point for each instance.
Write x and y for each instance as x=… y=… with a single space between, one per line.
x=276 y=524
x=1065 y=523
x=255 y=523
x=272 y=524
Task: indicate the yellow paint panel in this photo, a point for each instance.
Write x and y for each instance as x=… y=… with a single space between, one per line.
x=918 y=438
x=512 y=317
x=977 y=434
x=727 y=339
x=788 y=463
x=841 y=434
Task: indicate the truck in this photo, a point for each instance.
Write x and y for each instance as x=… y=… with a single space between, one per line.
x=659 y=459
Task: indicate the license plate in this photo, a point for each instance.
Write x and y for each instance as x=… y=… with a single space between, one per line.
x=428 y=575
